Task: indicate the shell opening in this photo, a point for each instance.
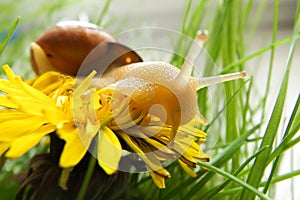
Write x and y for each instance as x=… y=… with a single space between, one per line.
x=39 y=60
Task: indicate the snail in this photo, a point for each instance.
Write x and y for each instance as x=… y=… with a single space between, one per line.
x=165 y=90
x=157 y=87
x=64 y=47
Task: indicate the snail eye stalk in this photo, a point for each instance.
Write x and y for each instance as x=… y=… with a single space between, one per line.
x=194 y=51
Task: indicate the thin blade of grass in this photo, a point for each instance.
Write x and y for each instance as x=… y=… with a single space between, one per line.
x=270 y=70
x=89 y=172
x=9 y=35
x=275 y=25
x=247 y=106
x=232 y=66
x=227 y=103
x=292 y=143
x=175 y=58
x=286 y=143
x=276 y=161
x=228 y=192
x=233 y=178
x=276 y=179
x=292 y=129
x=247 y=12
x=190 y=26
x=257 y=18
x=283 y=177
x=216 y=36
x=103 y=12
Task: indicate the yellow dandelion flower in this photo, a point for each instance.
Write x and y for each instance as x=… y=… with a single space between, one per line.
x=84 y=115
x=27 y=115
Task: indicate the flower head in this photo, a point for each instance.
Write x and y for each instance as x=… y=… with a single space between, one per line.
x=83 y=115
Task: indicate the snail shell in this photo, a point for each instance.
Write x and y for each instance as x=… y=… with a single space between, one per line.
x=65 y=46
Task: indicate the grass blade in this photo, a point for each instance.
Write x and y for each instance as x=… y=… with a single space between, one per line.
x=276 y=179
x=175 y=60
x=257 y=53
x=103 y=12
x=275 y=26
x=227 y=103
x=283 y=177
x=82 y=192
x=270 y=70
x=190 y=26
x=9 y=35
x=276 y=162
x=233 y=178
x=291 y=130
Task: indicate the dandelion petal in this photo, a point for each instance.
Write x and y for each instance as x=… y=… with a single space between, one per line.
x=73 y=152
x=158 y=180
x=24 y=143
x=109 y=151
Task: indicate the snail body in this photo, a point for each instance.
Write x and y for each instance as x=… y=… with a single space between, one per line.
x=171 y=91
x=159 y=83
x=161 y=89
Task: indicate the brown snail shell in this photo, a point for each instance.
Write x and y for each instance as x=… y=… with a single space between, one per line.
x=65 y=46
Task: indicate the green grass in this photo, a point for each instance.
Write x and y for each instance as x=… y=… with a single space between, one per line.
x=255 y=139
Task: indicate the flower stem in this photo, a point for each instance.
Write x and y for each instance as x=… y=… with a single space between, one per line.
x=87 y=178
